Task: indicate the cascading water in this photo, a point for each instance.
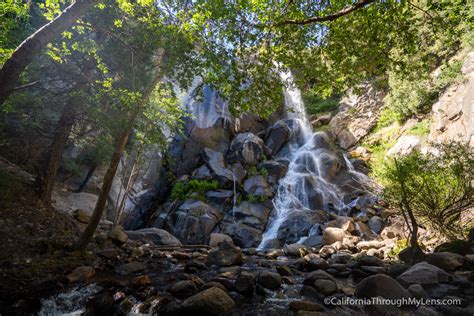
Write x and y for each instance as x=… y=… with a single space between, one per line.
x=308 y=178
x=208 y=108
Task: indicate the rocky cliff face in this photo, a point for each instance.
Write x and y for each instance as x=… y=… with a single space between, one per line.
x=453 y=113
x=273 y=176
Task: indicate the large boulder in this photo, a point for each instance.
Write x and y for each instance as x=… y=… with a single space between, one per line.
x=277 y=136
x=220 y=197
x=155 y=235
x=269 y=280
x=216 y=239
x=213 y=302
x=186 y=149
x=250 y=122
x=252 y=214
x=445 y=260
x=192 y=221
x=424 y=274
x=404 y=145
x=225 y=254
x=381 y=285
x=275 y=169
x=247 y=148
x=333 y=234
x=258 y=186
x=216 y=163
x=243 y=235
x=299 y=225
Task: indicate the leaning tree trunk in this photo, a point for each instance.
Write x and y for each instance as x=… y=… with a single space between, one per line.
x=106 y=186
x=47 y=177
x=29 y=48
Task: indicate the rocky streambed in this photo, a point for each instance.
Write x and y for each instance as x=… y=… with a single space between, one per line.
x=137 y=277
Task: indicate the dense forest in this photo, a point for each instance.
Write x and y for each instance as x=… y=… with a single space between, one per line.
x=237 y=157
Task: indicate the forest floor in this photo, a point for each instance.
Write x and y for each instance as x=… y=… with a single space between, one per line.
x=34 y=240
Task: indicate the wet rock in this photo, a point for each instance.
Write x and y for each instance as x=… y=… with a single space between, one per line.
x=295 y=250
x=81 y=274
x=155 y=235
x=101 y=303
x=216 y=239
x=130 y=268
x=375 y=224
x=423 y=273
x=269 y=280
x=276 y=170
x=301 y=305
x=117 y=235
x=212 y=302
x=141 y=280
x=245 y=283
x=247 y=148
x=225 y=254
x=445 y=260
x=258 y=186
x=381 y=285
x=183 y=289
x=332 y=234
x=284 y=270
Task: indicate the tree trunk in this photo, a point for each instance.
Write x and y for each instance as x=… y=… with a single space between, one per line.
x=106 y=186
x=30 y=47
x=47 y=177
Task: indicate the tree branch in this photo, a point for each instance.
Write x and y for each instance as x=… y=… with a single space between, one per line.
x=358 y=5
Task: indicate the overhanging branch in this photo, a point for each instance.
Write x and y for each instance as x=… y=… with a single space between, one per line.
x=358 y=5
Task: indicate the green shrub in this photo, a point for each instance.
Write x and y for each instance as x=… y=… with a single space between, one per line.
x=194 y=188
x=436 y=186
x=315 y=104
x=421 y=128
x=252 y=172
x=256 y=198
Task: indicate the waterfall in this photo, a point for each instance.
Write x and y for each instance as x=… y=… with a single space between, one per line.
x=202 y=102
x=307 y=185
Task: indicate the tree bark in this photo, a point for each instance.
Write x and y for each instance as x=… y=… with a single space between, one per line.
x=47 y=177
x=106 y=186
x=30 y=47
